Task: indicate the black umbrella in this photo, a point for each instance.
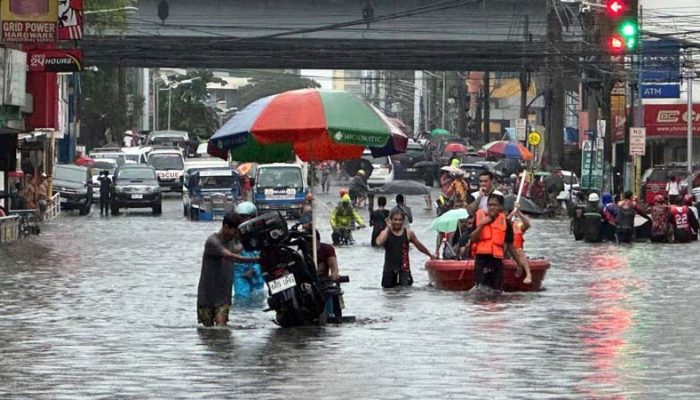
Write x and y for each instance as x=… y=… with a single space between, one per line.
x=409 y=188
x=508 y=166
x=425 y=164
x=352 y=166
x=527 y=206
x=553 y=183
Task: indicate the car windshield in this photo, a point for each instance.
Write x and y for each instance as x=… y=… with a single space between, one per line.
x=166 y=161
x=69 y=174
x=664 y=175
x=168 y=140
x=216 y=182
x=279 y=177
x=137 y=173
x=384 y=160
x=102 y=165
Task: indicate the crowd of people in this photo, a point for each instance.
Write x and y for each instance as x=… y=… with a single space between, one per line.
x=606 y=219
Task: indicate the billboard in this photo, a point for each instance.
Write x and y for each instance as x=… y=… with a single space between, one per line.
x=55 y=60
x=29 y=21
x=661 y=61
x=70 y=19
x=670 y=120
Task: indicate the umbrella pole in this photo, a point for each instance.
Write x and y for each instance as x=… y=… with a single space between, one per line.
x=313 y=216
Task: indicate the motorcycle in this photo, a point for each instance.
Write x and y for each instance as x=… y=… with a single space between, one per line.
x=296 y=294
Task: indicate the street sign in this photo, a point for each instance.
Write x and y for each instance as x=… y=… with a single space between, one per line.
x=521 y=129
x=591 y=166
x=55 y=60
x=601 y=125
x=534 y=138
x=638 y=141
x=661 y=91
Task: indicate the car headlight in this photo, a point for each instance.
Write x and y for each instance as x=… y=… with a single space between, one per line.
x=296 y=206
x=264 y=206
x=120 y=189
x=82 y=191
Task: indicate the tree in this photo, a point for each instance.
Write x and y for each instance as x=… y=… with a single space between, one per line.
x=192 y=109
x=266 y=83
x=105 y=111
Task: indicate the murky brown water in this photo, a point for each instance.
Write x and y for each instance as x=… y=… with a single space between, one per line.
x=105 y=308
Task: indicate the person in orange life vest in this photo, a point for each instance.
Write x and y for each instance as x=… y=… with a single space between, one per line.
x=521 y=224
x=683 y=222
x=493 y=234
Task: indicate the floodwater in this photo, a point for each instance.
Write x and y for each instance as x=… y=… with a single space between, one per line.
x=105 y=308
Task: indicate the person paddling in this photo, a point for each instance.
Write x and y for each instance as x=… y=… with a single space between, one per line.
x=396 y=239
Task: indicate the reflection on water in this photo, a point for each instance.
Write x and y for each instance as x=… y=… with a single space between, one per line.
x=98 y=306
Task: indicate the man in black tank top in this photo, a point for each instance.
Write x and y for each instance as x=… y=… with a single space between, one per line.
x=396 y=239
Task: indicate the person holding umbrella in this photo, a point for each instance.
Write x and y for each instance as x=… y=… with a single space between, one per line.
x=358 y=189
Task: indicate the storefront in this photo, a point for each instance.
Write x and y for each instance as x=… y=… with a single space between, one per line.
x=667 y=133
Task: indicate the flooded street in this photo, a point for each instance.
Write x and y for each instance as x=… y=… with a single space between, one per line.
x=106 y=308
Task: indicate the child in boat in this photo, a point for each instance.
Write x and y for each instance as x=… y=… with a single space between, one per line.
x=521 y=224
x=396 y=239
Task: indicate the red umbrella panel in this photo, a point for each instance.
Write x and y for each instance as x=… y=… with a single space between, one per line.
x=455 y=148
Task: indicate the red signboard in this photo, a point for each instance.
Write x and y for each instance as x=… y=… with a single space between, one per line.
x=44 y=90
x=670 y=120
x=70 y=20
x=55 y=60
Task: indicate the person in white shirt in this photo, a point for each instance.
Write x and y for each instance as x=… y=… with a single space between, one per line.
x=672 y=189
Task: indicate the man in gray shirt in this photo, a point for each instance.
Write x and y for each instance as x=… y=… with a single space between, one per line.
x=216 y=278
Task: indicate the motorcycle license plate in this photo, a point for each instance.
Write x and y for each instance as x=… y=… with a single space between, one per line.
x=137 y=196
x=282 y=283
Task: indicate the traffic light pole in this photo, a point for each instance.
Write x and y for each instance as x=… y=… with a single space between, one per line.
x=690 y=74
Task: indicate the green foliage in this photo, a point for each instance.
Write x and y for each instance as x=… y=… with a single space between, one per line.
x=192 y=109
x=99 y=22
x=105 y=106
x=266 y=83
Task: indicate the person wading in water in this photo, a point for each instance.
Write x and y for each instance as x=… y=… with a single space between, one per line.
x=396 y=239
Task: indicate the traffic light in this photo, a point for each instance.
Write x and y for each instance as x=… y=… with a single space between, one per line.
x=620 y=26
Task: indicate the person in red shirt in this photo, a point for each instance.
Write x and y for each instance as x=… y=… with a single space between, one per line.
x=327 y=261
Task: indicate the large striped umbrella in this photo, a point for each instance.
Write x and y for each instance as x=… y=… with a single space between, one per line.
x=504 y=148
x=315 y=125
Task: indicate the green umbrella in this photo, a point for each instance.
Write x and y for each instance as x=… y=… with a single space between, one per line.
x=448 y=221
x=439 y=132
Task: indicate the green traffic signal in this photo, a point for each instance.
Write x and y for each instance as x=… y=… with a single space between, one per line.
x=629 y=31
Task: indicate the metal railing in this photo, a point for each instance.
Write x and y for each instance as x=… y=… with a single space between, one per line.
x=54 y=208
x=9 y=229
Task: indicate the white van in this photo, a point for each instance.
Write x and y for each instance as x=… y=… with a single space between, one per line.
x=170 y=166
x=280 y=187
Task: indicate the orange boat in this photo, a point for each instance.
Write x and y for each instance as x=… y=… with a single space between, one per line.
x=459 y=275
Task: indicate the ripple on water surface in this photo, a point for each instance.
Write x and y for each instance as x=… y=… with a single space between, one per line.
x=105 y=307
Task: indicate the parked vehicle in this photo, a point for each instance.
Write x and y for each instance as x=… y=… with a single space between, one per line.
x=382 y=169
x=296 y=294
x=657 y=178
x=180 y=139
x=280 y=187
x=114 y=153
x=136 y=186
x=471 y=174
x=102 y=164
x=404 y=163
x=210 y=193
x=169 y=165
x=137 y=155
x=74 y=183
x=194 y=164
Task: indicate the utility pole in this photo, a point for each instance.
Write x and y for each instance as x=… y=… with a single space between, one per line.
x=444 y=96
x=487 y=106
x=555 y=130
x=525 y=70
x=690 y=75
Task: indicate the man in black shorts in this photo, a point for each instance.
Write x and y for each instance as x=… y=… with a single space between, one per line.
x=492 y=235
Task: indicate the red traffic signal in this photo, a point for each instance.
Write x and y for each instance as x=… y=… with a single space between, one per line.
x=616 y=8
x=616 y=44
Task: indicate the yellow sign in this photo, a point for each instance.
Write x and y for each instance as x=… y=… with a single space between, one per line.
x=534 y=138
x=29 y=21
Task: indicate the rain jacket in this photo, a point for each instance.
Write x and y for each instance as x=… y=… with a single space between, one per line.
x=343 y=215
x=244 y=286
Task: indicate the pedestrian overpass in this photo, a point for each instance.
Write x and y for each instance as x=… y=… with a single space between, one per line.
x=496 y=35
